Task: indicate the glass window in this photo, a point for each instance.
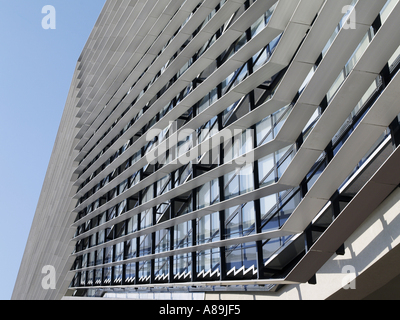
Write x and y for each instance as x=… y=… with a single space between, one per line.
x=266 y=170
x=248 y=218
x=162 y=241
x=182 y=263
x=144 y=271
x=279 y=118
x=99 y=276
x=311 y=123
x=241 y=42
x=263 y=131
x=90 y=277
x=203 y=229
x=130 y=251
x=208 y=228
x=111 y=213
x=273 y=218
x=123 y=187
x=259 y=59
x=117 y=277
x=134 y=179
x=365 y=97
x=112 y=194
x=270 y=247
x=316 y=171
x=132 y=224
x=269 y=13
x=182 y=235
x=239 y=181
x=100 y=237
x=241 y=255
x=203 y=196
x=145 y=245
x=232 y=222
x=267 y=204
x=208 y=260
x=121 y=207
x=231 y=181
x=246 y=179
x=288 y=208
x=359 y=51
x=83 y=278
x=161 y=267
x=338 y=82
x=241 y=75
x=130 y=272
x=284 y=158
x=119 y=251
x=91 y=259
x=99 y=257
x=214 y=191
x=240 y=221
x=257 y=26
x=109 y=254
x=93 y=239
x=163 y=185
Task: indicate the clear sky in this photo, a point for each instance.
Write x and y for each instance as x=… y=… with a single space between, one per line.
x=36 y=68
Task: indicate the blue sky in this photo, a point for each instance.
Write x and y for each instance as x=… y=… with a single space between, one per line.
x=36 y=68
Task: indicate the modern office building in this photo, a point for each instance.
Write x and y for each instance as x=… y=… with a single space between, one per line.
x=226 y=149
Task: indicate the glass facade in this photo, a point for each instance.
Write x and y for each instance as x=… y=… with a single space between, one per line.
x=153 y=235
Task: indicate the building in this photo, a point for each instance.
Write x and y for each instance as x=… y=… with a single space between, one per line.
x=235 y=148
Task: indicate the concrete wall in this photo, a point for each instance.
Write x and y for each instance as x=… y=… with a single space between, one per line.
x=49 y=239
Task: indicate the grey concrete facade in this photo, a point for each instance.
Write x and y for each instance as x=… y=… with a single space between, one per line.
x=48 y=242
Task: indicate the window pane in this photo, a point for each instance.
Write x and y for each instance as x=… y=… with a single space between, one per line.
x=203 y=196
x=266 y=170
x=231 y=181
x=246 y=179
x=249 y=218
